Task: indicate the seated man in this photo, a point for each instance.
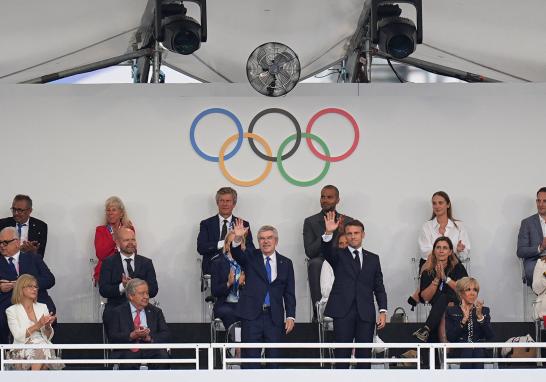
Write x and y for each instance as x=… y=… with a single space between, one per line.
x=117 y=270
x=136 y=321
x=32 y=232
x=15 y=262
x=532 y=237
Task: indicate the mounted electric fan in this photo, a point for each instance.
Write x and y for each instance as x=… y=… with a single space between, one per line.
x=273 y=69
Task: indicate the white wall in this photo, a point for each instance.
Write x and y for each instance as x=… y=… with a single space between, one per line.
x=70 y=147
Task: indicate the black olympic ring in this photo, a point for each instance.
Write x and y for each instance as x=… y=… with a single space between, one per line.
x=286 y=114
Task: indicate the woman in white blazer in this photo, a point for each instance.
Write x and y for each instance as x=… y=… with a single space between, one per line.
x=30 y=323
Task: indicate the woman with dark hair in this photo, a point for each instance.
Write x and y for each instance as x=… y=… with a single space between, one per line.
x=469 y=322
x=439 y=277
x=441 y=223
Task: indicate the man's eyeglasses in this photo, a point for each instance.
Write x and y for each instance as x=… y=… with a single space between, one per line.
x=19 y=210
x=6 y=242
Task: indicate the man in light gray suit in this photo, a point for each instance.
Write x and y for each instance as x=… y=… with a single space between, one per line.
x=532 y=237
x=313 y=229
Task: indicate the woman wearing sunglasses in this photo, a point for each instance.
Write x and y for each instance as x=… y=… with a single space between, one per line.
x=469 y=322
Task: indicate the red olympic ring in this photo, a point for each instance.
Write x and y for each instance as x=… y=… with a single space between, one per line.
x=349 y=118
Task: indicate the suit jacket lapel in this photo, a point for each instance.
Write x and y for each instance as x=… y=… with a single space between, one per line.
x=260 y=265
x=128 y=316
x=150 y=318
x=31 y=229
x=350 y=262
x=538 y=226
x=138 y=263
x=216 y=227
x=23 y=263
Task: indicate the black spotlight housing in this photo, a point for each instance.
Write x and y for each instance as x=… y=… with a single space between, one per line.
x=180 y=33
x=396 y=36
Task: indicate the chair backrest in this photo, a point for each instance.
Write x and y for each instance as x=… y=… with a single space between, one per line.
x=314 y=268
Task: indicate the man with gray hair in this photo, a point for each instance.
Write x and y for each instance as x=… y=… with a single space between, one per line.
x=213 y=231
x=13 y=263
x=136 y=321
x=267 y=303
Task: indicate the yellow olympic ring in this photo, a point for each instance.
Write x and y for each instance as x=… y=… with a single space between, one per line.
x=245 y=183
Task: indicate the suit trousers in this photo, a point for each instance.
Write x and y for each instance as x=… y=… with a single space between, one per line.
x=144 y=354
x=262 y=329
x=350 y=328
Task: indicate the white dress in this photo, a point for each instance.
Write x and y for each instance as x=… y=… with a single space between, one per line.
x=19 y=322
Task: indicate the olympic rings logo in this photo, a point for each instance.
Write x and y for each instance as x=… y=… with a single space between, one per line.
x=269 y=157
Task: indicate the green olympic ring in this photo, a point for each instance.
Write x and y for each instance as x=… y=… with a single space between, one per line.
x=302 y=183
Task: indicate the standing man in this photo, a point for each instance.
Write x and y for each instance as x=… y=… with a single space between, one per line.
x=358 y=279
x=313 y=228
x=269 y=292
x=136 y=321
x=32 y=232
x=532 y=237
x=212 y=231
x=13 y=263
x=117 y=270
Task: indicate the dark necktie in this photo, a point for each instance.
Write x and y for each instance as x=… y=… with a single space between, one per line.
x=20 y=229
x=224 y=230
x=12 y=266
x=267 y=301
x=130 y=270
x=357 y=260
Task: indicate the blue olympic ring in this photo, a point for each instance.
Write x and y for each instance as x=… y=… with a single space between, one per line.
x=216 y=110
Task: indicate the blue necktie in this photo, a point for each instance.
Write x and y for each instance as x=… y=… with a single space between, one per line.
x=12 y=266
x=19 y=229
x=267 y=302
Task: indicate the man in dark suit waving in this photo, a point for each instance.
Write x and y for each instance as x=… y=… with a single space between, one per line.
x=267 y=303
x=32 y=232
x=117 y=270
x=13 y=263
x=136 y=321
x=213 y=231
x=358 y=279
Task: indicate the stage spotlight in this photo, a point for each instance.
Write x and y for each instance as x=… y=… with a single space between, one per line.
x=396 y=36
x=182 y=34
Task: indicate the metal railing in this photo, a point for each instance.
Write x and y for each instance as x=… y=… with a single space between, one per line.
x=420 y=348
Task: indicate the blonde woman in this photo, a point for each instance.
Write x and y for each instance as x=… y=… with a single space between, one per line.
x=470 y=321
x=30 y=323
x=115 y=216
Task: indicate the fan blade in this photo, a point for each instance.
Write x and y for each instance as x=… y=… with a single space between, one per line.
x=283 y=58
x=283 y=77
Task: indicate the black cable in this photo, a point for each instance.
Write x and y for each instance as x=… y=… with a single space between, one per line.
x=395 y=72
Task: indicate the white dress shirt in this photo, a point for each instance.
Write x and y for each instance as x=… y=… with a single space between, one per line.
x=143 y=321
x=124 y=264
x=431 y=231
x=229 y=227
x=24 y=231
x=273 y=263
x=543 y=226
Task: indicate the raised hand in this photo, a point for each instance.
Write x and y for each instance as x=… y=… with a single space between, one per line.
x=460 y=246
x=231 y=277
x=239 y=230
x=330 y=222
x=466 y=312
x=479 y=309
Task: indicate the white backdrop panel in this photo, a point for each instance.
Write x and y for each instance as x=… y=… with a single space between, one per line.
x=70 y=147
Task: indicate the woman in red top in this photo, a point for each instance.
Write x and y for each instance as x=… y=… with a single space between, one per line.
x=115 y=217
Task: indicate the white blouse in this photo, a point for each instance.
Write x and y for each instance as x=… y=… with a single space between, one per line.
x=431 y=231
